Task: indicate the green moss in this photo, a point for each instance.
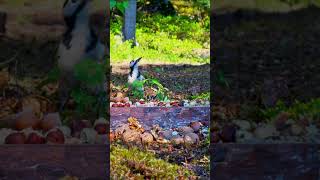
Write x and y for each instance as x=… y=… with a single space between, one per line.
x=309 y=109
x=202 y=96
x=139 y=164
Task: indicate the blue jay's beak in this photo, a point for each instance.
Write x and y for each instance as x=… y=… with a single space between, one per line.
x=138 y=59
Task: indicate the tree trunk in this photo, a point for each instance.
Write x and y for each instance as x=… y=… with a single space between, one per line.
x=3 y=21
x=129 y=26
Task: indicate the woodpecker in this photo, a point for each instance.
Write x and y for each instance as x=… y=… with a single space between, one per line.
x=134 y=73
x=79 y=42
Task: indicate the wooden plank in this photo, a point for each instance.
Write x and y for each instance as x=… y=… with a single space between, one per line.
x=265 y=161
x=168 y=117
x=54 y=161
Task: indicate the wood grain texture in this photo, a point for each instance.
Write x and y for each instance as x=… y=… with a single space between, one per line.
x=265 y=161
x=165 y=117
x=54 y=161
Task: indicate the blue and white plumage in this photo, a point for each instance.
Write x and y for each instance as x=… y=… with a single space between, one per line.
x=79 y=42
x=134 y=73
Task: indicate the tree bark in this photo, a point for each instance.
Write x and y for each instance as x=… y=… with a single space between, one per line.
x=3 y=21
x=129 y=26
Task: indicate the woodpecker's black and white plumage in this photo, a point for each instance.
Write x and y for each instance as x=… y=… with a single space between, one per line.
x=79 y=42
x=134 y=73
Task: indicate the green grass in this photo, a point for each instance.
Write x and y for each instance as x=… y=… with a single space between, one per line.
x=202 y=96
x=163 y=40
x=135 y=163
x=298 y=109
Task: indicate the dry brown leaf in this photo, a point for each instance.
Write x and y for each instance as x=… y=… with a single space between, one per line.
x=4 y=78
x=50 y=88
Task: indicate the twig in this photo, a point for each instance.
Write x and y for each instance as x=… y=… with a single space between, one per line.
x=9 y=60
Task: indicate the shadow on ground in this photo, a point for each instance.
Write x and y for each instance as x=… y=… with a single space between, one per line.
x=267 y=57
x=182 y=80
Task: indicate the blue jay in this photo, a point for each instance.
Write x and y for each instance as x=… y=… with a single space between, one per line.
x=79 y=42
x=134 y=73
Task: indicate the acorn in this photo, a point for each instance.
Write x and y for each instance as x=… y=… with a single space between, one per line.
x=35 y=138
x=26 y=119
x=77 y=126
x=111 y=136
x=100 y=125
x=127 y=105
x=55 y=136
x=50 y=121
x=15 y=138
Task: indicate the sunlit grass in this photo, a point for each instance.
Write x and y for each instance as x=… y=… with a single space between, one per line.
x=163 y=40
x=139 y=164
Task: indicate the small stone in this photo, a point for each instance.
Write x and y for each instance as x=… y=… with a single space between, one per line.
x=228 y=133
x=167 y=134
x=185 y=130
x=243 y=136
x=191 y=138
x=174 y=133
x=193 y=103
x=146 y=138
x=266 y=131
x=196 y=126
x=120 y=130
x=177 y=140
x=312 y=130
x=130 y=136
x=242 y=124
x=296 y=130
x=88 y=135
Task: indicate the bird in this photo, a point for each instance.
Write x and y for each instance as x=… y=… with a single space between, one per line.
x=135 y=74
x=79 y=42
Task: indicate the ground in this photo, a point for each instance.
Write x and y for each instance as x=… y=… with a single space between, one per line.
x=258 y=48
x=182 y=80
x=261 y=59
